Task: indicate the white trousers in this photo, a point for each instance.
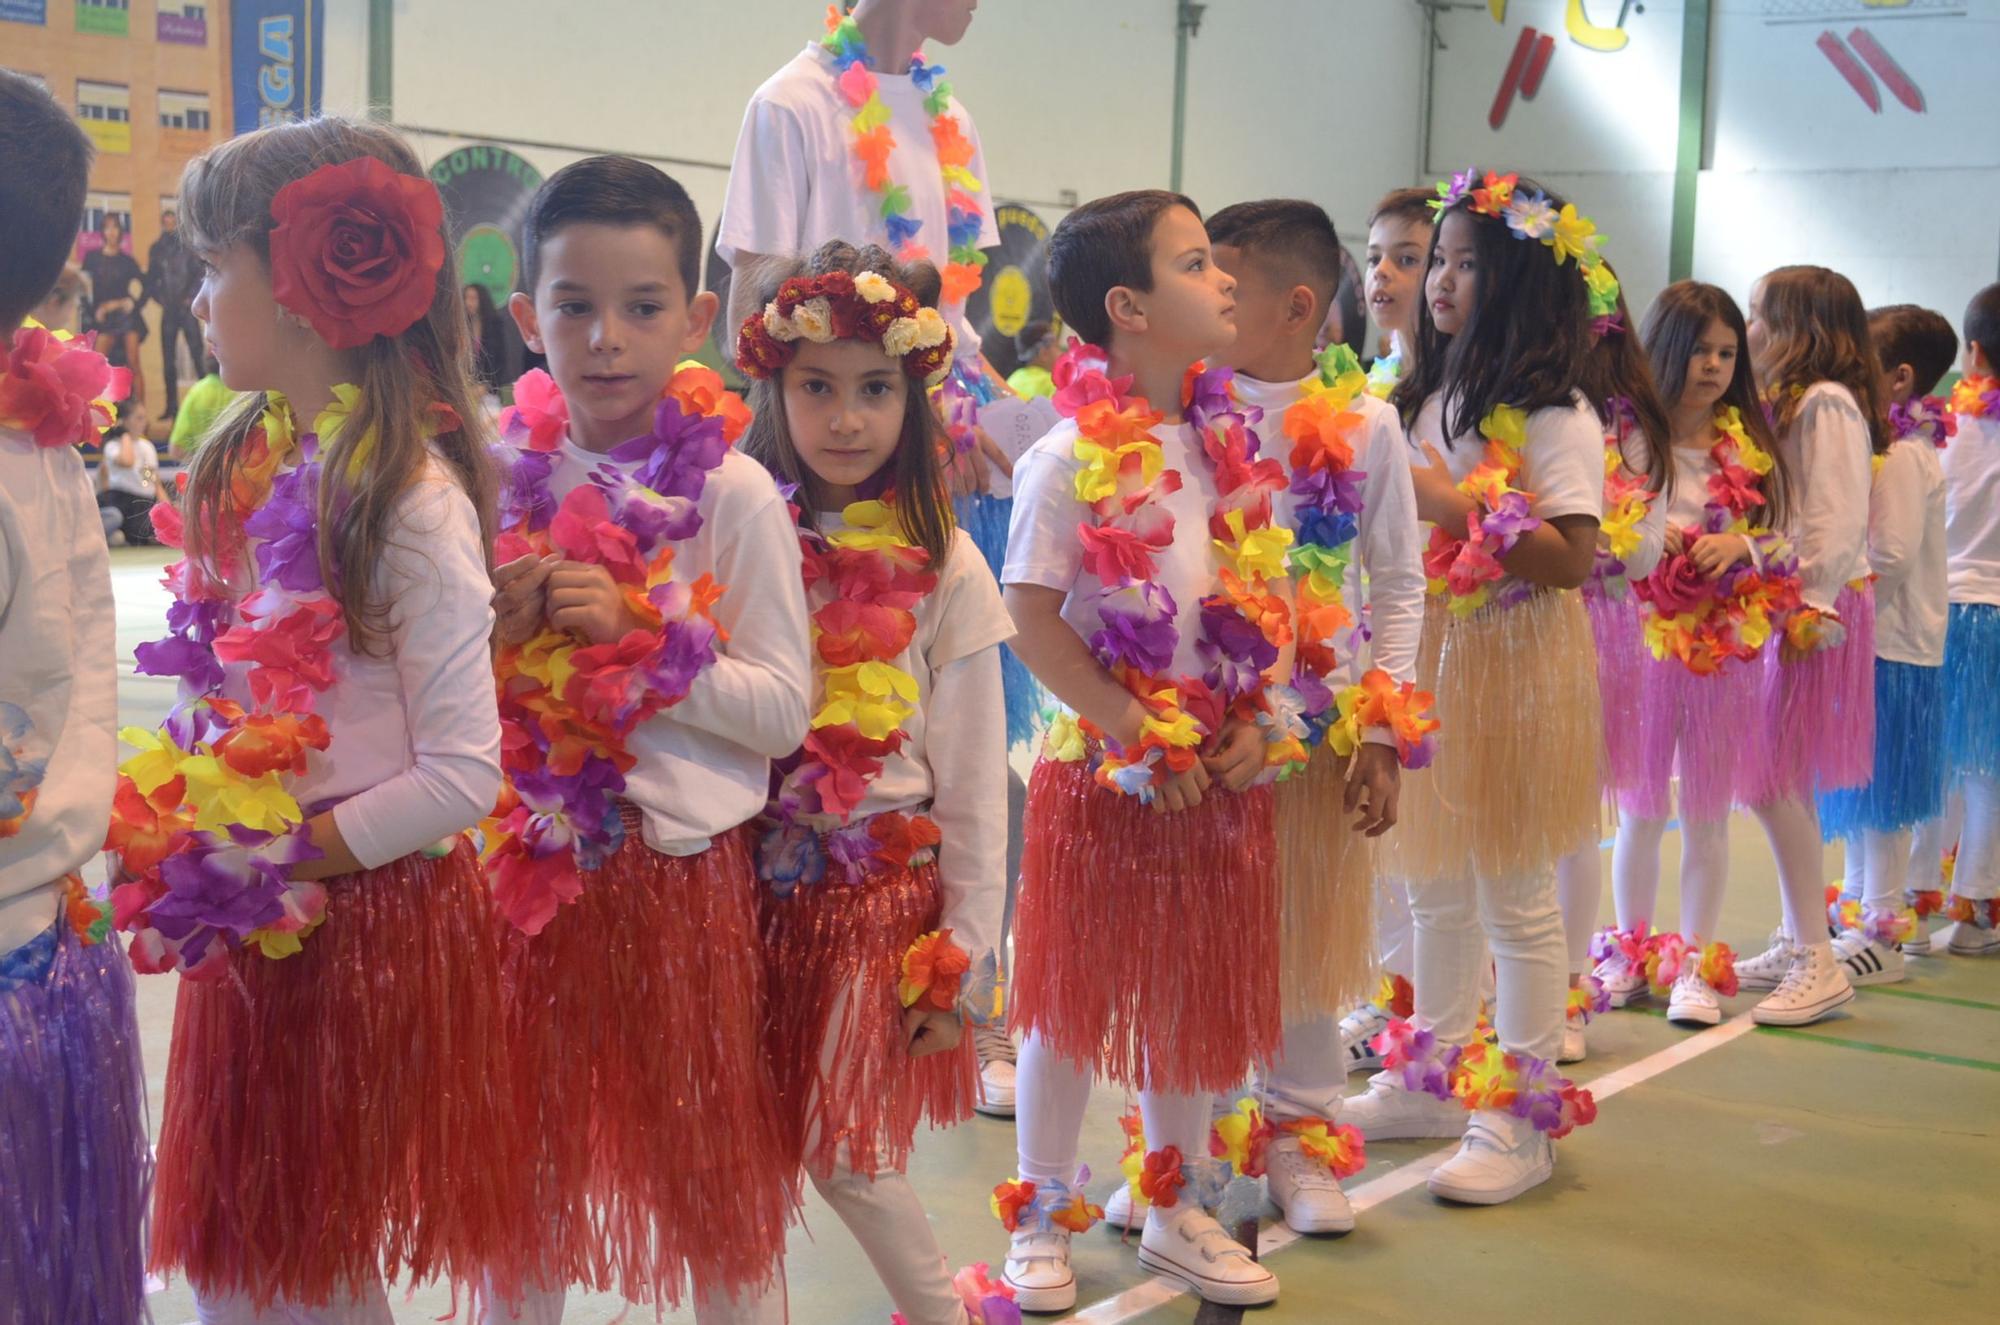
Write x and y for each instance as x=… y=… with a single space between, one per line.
x=1455 y=921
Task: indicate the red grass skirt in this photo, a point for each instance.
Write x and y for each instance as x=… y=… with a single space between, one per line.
x=341 y=1114
x=1147 y=944
x=636 y=1017
x=851 y=1094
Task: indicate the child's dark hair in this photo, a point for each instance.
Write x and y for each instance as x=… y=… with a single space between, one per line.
x=612 y=190
x=1908 y=334
x=1816 y=330
x=1617 y=369
x=1106 y=243
x=1291 y=238
x=1029 y=340
x=44 y=175
x=1525 y=339
x=225 y=199
x=1982 y=324
x=1405 y=205
x=914 y=474
x=1680 y=314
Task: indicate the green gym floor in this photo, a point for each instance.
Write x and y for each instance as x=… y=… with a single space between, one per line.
x=1843 y=1172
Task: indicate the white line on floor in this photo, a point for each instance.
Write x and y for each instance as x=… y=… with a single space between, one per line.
x=1135 y=1302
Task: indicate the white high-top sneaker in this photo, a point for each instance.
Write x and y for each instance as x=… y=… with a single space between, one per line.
x=1187 y=1246
x=1038 y=1270
x=1965 y=939
x=1502 y=1157
x=1813 y=987
x=1767 y=969
x=995 y=1048
x=1306 y=1190
x=1694 y=1001
x=1126 y=1209
x=1622 y=980
x=1388 y=1112
x=1574 y=1047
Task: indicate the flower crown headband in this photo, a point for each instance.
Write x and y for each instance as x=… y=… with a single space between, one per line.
x=356 y=250
x=1530 y=215
x=837 y=306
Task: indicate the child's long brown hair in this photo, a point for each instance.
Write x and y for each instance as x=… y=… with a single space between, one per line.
x=1617 y=369
x=225 y=199
x=921 y=500
x=1674 y=326
x=1816 y=330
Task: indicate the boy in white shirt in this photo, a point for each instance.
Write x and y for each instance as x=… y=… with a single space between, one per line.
x=72 y=1108
x=1906 y=550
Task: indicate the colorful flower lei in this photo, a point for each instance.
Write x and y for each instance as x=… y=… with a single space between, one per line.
x=933 y=968
x=1480 y=1076
x=1979 y=912
x=56 y=389
x=1045 y=1207
x=839 y=306
x=566 y=707
x=1627 y=502
x=1464 y=571
x=1531 y=215
x=204 y=820
x=873 y=142
x=1242 y=1138
x=1702 y=622
x=1588 y=1001
x=1976 y=397
x=1927 y=417
x=1243 y=627
x=1924 y=902
x=1323 y=426
x=987 y=1301
x=1395 y=995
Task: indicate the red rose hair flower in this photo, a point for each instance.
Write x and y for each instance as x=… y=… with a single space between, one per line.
x=357 y=250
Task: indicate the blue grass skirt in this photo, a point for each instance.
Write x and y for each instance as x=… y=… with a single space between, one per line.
x=1972 y=690
x=1907 y=783
x=986 y=519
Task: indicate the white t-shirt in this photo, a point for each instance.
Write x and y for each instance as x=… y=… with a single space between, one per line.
x=1972 y=510
x=1386 y=577
x=1906 y=549
x=1687 y=508
x=1827 y=450
x=954 y=752
x=1652 y=527
x=138 y=473
x=704 y=765
x=58 y=680
x=795 y=182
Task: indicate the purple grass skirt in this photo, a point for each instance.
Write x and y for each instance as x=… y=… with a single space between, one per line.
x=74 y=1165
x=1820 y=713
x=1709 y=729
x=1621 y=657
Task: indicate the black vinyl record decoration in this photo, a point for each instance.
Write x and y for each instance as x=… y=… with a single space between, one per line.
x=1015 y=291
x=486 y=192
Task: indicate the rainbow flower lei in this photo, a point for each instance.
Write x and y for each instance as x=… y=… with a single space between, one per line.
x=204 y=819
x=1929 y=418
x=1704 y=623
x=1976 y=397
x=1530 y=215
x=1046 y=1206
x=1481 y=1076
x=1627 y=501
x=1465 y=571
x=854 y=74
x=56 y=389
x=566 y=708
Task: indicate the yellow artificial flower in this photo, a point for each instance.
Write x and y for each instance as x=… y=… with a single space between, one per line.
x=1506 y=425
x=222 y=797
x=874 y=696
x=1173 y=727
x=1063 y=742
x=871 y=526
x=1254 y=552
x=873 y=113
x=1574 y=236
x=158 y=761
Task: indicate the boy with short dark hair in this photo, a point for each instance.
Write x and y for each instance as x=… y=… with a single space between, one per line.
x=638 y=548
x=72 y=1105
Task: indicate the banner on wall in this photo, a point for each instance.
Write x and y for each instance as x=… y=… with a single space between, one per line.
x=275 y=60
x=25 y=11
x=103 y=20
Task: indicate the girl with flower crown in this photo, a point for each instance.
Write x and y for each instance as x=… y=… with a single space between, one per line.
x=884 y=846
x=1704 y=617
x=1511 y=479
x=1809 y=344
x=290 y=840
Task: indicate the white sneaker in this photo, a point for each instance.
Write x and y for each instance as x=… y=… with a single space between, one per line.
x=1502 y=1157
x=1813 y=987
x=1038 y=1271
x=1388 y=1112
x=1767 y=969
x=1358 y=1030
x=1190 y=1248
x=1918 y=944
x=995 y=1048
x=1622 y=981
x=1306 y=1191
x=1968 y=940
x=1694 y=1001
x=1573 y=1046
x=1126 y=1209
x=1868 y=962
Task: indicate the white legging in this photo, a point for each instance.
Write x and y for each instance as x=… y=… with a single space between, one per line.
x=370 y=1306
x=1635 y=874
x=1455 y=920
x=1051 y=1093
x=1392 y=925
x=1310 y=1075
x=1932 y=839
x=1579 y=892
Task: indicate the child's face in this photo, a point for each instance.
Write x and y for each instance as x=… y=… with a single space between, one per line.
x=1191 y=308
x=246 y=331
x=1711 y=367
x=613 y=316
x=137 y=420
x=1397 y=248
x=1452 y=285
x=844 y=404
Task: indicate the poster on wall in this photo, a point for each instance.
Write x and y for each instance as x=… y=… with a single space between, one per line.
x=1016 y=289
x=486 y=192
x=182 y=22
x=25 y=11
x=275 y=60
x=104 y=18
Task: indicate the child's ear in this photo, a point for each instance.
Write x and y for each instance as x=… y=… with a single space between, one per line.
x=1902 y=381
x=702 y=310
x=1302 y=307
x=1121 y=305
x=522 y=309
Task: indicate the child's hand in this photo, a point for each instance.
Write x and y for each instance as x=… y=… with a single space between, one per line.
x=586 y=601
x=990 y=449
x=1713 y=554
x=1438 y=498
x=1181 y=791
x=1374 y=784
x=929 y=1031
x=1676 y=541
x=967 y=472
x=520 y=597
x=1236 y=754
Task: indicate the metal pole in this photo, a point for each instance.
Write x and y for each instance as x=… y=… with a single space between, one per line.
x=381 y=59
x=1187 y=23
x=1695 y=29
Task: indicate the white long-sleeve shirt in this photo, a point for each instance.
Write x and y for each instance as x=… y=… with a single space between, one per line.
x=1386 y=577
x=1906 y=550
x=58 y=680
x=1972 y=511
x=704 y=765
x=954 y=751
x=1826 y=446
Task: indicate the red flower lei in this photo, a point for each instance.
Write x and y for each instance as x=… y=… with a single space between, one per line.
x=56 y=389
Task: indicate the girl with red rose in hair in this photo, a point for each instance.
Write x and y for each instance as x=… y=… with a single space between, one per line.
x=291 y=838
x=884 y=852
